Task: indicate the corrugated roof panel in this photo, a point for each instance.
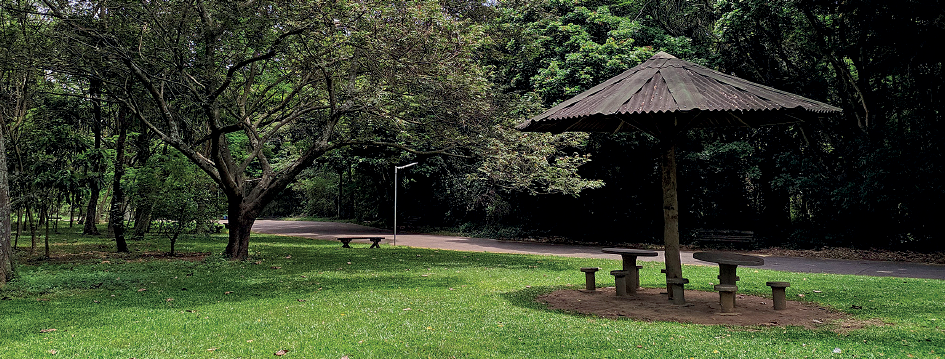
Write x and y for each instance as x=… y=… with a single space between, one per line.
x=615 y=97
x=679 y=81
x=660 y=99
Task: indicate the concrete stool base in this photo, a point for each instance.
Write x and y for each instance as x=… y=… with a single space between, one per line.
x=669 y=288
x=620 y=281
x=633 y=279
x=727 y=297
x=591 y=282
x=677 y=287
x=778 y=294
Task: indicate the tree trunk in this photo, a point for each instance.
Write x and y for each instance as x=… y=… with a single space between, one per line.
x=670 y=211
x=29 y=217
x=116 y=216
x=142 y=221
x=72 y=203
x=352 y=211
x=174 y=242
x=45 y=216
x=6 y=250
x=142 y=211
x=341 y=178
x=240 y=218
x=91 y=216
x=57 y=215
x=19 y=224
x=90 y=228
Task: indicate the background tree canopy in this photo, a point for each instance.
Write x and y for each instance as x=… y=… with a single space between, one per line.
x=303 y=108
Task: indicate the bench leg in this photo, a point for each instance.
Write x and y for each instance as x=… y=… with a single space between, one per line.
x=780 y=298
x=620 y=283
x=344 y=243
x=679 y=294
x=633 y=279
x=376 y=243
x=589 y=279
x=727 y=301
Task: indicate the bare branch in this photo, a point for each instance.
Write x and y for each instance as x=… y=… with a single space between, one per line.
x=240 y=65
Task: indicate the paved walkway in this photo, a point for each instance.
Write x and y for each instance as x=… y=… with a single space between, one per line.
x=330 y=230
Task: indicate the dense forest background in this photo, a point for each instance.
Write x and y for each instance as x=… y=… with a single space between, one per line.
x=90 y=90
x=869 y=178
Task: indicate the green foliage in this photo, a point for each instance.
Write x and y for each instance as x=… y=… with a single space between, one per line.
x=560 y=48
x=180 y=197
x=452 y=77
x=866 y=178
x=534 y=163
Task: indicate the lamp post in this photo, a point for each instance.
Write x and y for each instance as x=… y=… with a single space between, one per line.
x=396 y=168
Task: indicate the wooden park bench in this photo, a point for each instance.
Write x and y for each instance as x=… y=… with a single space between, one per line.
x=734 y=239
x=376 y=241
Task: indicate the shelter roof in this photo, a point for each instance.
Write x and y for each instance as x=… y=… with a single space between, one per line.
x=666 y=91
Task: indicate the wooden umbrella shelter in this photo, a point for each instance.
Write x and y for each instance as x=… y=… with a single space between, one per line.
x=665 y=96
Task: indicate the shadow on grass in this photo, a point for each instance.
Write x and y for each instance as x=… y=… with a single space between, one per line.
x=82 y=292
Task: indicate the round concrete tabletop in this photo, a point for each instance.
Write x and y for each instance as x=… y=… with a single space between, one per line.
x=729 y=258
x=630 y=251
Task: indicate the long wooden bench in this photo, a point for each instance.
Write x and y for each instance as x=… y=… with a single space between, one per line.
x=375 y=240
x=724 y=238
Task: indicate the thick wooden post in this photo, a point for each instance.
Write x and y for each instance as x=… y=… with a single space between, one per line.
x=670 y=212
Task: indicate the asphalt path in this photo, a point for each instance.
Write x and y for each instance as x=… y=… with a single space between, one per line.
x=332 y=230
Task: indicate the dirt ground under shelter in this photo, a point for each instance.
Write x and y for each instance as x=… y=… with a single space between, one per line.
x=652 y=305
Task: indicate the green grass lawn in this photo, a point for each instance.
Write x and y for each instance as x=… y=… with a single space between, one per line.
x=317 y=300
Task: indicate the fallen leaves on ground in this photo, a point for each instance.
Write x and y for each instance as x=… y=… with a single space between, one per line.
x=47 y=330
x=281 y=352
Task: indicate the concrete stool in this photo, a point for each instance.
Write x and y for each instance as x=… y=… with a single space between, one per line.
x=589 y=275
x=727 y=297
x=633 y=281
x=777 y=292
x=620 y=280
x=679 y=292
x=669 y=288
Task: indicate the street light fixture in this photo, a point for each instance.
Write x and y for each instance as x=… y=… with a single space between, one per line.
x=396 y=184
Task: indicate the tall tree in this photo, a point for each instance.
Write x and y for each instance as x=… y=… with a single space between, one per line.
x=97 y=161
x=116 y=214
x=10 y=93
x=19 y=37
x=253 y=103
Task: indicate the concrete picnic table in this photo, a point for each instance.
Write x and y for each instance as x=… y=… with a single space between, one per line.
x=728 y=264
x=629 y=256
